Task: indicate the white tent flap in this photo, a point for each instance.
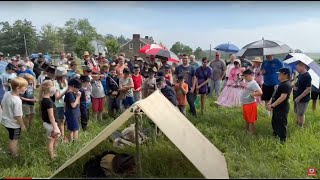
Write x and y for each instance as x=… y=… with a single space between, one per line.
x=194 y=145
x=189 y=140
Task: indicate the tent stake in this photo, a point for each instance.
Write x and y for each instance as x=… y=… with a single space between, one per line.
x=138 y=161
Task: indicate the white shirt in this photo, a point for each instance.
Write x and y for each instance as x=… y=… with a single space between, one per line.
x=6 y=77
x=229 y=67
x=41 y=79
x=11 y=108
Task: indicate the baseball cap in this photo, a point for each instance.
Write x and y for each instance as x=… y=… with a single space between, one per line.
x=126 y=71
x=247 y=72
x=180 y=77
x=1 y=54
x=136 y=66
x=160 y=79
x=75 y=82
x=84 y=78
x=284 y=71
x=167 y=67
x=87 y=68
x=11 y=67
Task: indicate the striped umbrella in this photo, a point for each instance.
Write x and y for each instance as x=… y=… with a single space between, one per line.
x=150 y=46
x=314 y=69
x=263 y=48
x=163 y=53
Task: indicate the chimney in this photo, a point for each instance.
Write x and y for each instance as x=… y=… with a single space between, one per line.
x=146 y=37
x=136 y=36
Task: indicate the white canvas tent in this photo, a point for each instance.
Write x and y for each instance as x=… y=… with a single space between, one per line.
x=189 y=140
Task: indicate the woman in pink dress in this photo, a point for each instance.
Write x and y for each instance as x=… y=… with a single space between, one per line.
x=258 y=76
x=231 y=93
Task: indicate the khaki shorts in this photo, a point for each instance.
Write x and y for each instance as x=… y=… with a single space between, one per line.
x=49 y=128
x=300 y=108
x=28 y=109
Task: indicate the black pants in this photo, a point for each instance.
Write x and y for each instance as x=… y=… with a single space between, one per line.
x=279 y=124
x=84 y=117
x=191 y=99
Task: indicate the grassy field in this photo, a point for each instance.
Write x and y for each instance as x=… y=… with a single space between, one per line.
x=247 y=156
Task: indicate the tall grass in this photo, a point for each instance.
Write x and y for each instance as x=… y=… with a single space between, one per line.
x=259 y=156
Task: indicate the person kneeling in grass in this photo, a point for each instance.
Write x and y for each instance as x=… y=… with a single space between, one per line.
x=12 y=113
x=249 y=104
x=72 y=102
x=53 y=132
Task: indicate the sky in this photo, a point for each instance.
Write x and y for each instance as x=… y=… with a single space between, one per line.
x=194 y=23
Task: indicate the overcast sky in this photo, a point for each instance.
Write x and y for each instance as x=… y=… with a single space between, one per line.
x=193 y=23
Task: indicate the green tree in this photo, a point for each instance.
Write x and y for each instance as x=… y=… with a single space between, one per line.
x=75 y=29
x=198 y=53
x=12 y=37
x=82 y=45
x=178 y=47
x=51 y=41
x=122 y=40
x=113 y=47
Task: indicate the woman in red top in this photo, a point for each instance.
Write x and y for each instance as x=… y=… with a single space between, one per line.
x=137 y=83
x=90 y=62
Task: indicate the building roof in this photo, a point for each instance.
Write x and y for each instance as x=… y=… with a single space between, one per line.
x=146 y=41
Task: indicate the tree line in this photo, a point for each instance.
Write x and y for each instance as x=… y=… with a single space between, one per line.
x=74 y=36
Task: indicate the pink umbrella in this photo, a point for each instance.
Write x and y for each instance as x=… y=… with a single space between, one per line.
x=150 y=46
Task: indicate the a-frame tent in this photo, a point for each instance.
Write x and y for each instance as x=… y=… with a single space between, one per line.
x=188 y=139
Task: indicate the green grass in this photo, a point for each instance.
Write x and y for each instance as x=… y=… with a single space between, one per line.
x=247 y=156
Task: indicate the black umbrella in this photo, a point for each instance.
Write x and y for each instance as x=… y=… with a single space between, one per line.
x=263 y=48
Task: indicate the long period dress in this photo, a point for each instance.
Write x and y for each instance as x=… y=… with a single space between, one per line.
x=231 y=93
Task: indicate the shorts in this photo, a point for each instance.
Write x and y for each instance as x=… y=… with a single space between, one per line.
x=267 y=92
x=250 y=112
x=49 y=128
x=28 y=109
x=127 y=102
x=60 y=113
x=300 y=108
x=97 y=104
x=315 y=95
x=14 y=133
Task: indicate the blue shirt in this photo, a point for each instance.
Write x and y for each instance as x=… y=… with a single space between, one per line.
x=271 y=68
x=105 y=84
x=27 y=71
x=188 y=72
x=3 y=65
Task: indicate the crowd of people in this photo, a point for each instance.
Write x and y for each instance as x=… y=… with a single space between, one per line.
x=67 y=94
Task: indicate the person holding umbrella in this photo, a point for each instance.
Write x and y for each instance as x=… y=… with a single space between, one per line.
x=269 y=69
x=301 y=93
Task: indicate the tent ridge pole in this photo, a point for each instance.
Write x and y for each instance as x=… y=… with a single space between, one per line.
x=137 y=116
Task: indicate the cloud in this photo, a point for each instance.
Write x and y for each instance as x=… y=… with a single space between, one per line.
x=108 y=19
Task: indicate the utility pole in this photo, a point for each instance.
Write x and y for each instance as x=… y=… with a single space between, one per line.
x=210 y=52
x=25 y=44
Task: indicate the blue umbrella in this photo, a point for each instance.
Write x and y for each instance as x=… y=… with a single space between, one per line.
x=227 y=47
x=34 y=56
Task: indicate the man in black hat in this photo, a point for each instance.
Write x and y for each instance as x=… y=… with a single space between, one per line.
x=166 y=90
x=37 y=65
x=280 y=105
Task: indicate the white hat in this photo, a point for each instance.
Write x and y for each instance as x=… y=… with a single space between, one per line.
x=60 y=71
x=237 y=60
